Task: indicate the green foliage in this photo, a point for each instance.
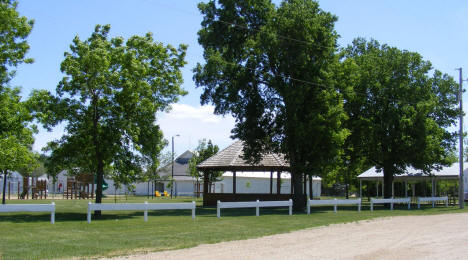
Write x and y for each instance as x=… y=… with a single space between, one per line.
x=13 y=46
x=108 y=100
x=204 y=151
x=398 y=112
x=270 y=67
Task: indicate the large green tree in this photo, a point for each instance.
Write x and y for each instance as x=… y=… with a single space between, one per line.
x=15 y=131
x=400 y=109
x=109 y=99
x=14 y=29
x=270 y=67
x=204 y=150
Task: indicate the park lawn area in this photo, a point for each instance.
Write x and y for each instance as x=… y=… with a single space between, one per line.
x=31 y=236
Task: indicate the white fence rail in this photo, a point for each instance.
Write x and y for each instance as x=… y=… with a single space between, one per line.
x=139 y=206
x=253 y=204
x=433 y=200
x=333 y=202
x=391 y=201
x=31 y=208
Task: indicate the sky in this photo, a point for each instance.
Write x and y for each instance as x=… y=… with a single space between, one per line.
x=435 y=29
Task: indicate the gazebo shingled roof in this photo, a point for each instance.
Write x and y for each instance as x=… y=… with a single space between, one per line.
x=230 y=159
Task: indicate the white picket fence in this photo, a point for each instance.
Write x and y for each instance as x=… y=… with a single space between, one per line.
x=334 y=202
x=433 y=200
x=30 y=208
x=139 y=206
x=391 y=201
x=253 y=204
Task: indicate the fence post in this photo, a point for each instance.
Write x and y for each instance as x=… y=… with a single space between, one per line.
x=146 y=211
x=89 y=212
x=52 y=214
x=308 y=206
x=218 y=210
x=371 y=204
x=290 y=207
x=446 y=201
x=419 y=202
x=359 y=205
x=409 y=203
x=335 y=206
x=433 y=202
x=391 y=204
x=257 y=209
x=193 y=209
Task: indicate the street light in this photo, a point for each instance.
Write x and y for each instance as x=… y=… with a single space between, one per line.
x=172 y=172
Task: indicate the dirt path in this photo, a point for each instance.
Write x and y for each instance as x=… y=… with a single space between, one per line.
x=408 y=237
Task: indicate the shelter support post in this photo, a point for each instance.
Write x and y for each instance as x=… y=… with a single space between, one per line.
x=292 y=185
x=393 y=189
x=433 y=190
x=383 y=184
x=406 y=189
x=311 y=194
x=278 y=183
x=234 y=182
x=377 y=188
x=271 y=182
x=360 y=189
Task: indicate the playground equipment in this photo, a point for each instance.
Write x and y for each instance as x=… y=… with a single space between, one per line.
x=38 y=188
x=81 y=186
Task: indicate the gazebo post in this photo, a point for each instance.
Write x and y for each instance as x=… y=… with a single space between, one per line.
x=377 y=188
x=360 y=189
x=278 y=183
x=383 y=185
x=234 y=182
x=292 y=185
x=393 y=189
x=304 y=183
x=432 y=186
x=406 y=188
x=311 y=179
x=271 y=182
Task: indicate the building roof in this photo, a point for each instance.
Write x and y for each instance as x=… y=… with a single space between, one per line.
x=230 y=159
x=449 y=172
x=181 y=165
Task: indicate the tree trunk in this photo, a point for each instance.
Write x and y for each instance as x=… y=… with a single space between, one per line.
x=298 y=196
x=4 y=186
x=99 y=159
x=388 y=180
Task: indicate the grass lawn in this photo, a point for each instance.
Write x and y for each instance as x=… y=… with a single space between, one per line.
x=31 y=236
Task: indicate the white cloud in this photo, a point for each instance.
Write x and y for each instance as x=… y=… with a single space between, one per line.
x=194 y=123
x=202 y=113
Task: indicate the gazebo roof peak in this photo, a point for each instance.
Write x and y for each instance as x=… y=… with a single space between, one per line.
x=230 y=159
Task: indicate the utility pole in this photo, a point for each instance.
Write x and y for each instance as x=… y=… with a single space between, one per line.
x=172 y=171
x=461 y=194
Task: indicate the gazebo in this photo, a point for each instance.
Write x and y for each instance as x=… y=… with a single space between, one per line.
x=230 y=159
x=411 y=175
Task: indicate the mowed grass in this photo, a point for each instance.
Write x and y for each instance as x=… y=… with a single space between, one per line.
x=31 y=236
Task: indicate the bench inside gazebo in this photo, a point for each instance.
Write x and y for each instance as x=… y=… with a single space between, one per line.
x=230 y=159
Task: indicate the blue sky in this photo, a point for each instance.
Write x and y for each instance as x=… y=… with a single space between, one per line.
x=435 y=29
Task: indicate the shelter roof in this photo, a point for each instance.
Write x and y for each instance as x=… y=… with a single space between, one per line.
x=449 y=172
x=230 y=159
